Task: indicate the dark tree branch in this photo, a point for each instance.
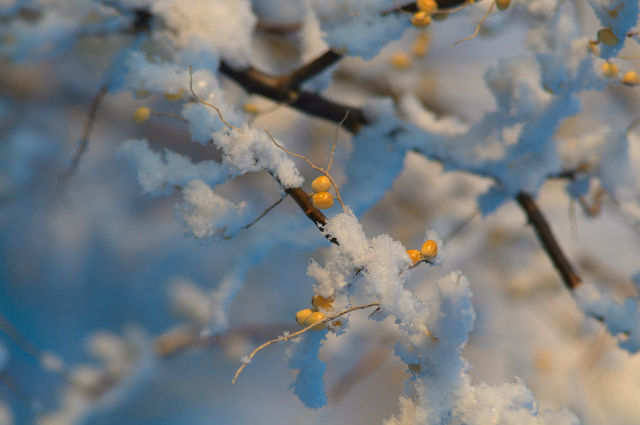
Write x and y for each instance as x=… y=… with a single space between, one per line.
x=306 y=205
x=313 y=68
x=539 y=223
x=276 y=89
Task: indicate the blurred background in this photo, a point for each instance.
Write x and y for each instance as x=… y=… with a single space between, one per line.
x=100 y=286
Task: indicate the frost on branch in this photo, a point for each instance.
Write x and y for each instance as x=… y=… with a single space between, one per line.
x=251 y=149
x=621 y=319
x=219 y=28
x=357 y=27
x=303 y=357
x=159 y=171
x=206 y=214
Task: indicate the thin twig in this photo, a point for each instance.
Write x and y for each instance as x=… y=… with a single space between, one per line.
x=312 y=165
x=291 y=335
x=199 y=100
x=335 y=142
x=478 y=26
x=86 y=134
x=265 y=212
x=460 y=227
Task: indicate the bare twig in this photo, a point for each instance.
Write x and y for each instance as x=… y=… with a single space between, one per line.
x=265 y=212
x=86 y=134
x=367 y=364
x=199 y=100
x=476 y=31
x=291 y=335
x=312 y=165
x=335 y=142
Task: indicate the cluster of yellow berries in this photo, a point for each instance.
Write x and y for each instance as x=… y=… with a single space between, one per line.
x=309 y=316
x=428 y=251
x=321 y=197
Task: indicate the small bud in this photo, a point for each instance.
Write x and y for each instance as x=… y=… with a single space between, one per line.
x=141 y=114
x=321 y=184
x=322 y=200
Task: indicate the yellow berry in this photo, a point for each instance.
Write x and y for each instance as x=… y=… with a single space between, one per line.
x=609 y=69
x=400 y=60
x=429 y=249
x=503 y=4
x=322 y=303
x=322 y=200
x=250 y=108
x=630 y=78
x=142 y=114
x=420 y=45
x=427 y=6
x=315 y=317
x=174 y=96
x=414 y=255
x=606 y=36
x=421 y=19
x=303 y=315
x=321 y=184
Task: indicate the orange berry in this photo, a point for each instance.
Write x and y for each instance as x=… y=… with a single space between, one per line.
x=400 y=60
x=420 y=45
x=321 y=184
x=322 y=200
x=630 y=78
x=414 y=255
x=250 y=108
x=315 y=317
x=609 y=69
x=141 y=114
x=421 y=19
x=429 y=249
x=503 y=4
x=303 y=315
x=427 y=6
